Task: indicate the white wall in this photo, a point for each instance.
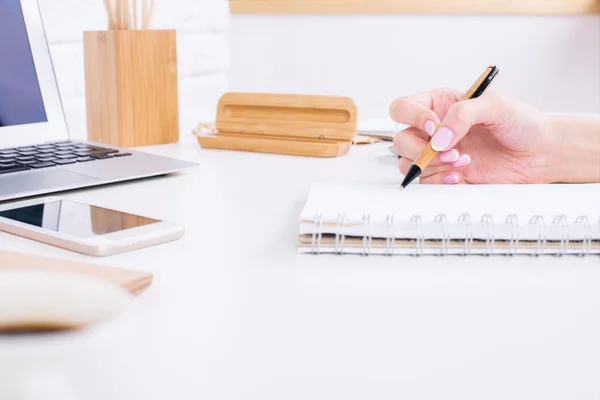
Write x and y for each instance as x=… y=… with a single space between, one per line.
x=203 y=53
x=550 y=62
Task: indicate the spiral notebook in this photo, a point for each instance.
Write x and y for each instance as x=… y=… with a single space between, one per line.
x=451 y=220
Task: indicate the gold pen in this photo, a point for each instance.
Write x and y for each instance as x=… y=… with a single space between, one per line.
x=429 y=154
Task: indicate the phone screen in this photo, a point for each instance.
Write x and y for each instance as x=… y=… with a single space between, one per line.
x=76 y=219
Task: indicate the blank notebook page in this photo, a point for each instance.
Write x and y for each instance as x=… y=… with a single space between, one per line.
x=328 y=204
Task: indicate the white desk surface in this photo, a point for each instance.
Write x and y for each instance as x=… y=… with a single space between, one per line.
x=236 y=313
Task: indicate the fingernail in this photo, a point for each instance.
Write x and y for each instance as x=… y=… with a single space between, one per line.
x=441 y=139
x=451 y=179
x=449 y=156
x=430 y=127
x=462 y=161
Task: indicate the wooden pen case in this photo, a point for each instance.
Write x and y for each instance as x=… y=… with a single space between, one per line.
x=292 y=124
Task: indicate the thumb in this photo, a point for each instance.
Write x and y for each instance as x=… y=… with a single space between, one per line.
x=461 y=117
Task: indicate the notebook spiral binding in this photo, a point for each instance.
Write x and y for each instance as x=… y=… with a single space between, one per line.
x=465 y=219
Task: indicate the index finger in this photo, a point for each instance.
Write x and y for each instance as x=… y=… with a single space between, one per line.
x=418 y=108
x=413 y=110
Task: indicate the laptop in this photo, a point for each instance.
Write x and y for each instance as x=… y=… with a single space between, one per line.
x=37 y=154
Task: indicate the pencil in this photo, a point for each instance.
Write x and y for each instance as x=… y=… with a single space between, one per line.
x=126 y=13
x=144 y=14
x=429 y=154
x=119 y=12
x=135 y=14
x=111 y=14
x=150 y=14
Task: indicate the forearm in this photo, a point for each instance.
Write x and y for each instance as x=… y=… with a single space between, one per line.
x=575 y=152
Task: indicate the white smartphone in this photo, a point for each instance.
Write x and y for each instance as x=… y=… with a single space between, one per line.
x=84 y=228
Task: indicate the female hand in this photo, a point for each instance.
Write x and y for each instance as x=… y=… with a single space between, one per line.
x=490 y=139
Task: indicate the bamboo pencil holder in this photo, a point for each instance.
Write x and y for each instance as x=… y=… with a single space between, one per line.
x=131 y=87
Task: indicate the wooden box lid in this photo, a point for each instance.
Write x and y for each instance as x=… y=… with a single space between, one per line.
x=328 y=118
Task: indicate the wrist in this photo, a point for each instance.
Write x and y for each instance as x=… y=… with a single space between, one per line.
x=573 y=150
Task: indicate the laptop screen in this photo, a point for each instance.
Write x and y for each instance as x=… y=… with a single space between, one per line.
x=20 y=95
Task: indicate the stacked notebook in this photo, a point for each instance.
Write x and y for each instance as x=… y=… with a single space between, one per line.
x=457 y=220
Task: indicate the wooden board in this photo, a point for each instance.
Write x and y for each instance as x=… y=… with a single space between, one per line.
x=512 y=7
x=292 y=124
x=287 y=115
x=134 y=281
x=275 y=146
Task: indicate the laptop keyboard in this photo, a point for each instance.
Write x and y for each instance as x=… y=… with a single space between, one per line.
x=50 y=155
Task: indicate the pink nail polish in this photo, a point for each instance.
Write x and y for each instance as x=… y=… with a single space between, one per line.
x=462 y=161
x=449 y=156
x=441 y=139
x=429 y=127
x=451 y=179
